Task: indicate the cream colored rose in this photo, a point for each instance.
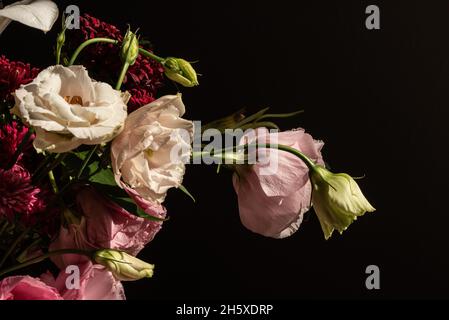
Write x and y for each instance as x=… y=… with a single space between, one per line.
x=149 y=155
x=68 y=109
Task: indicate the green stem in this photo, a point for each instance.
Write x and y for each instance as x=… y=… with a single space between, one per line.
x=310 y=164
x=122 y=76
x=45 y=256
x=53 y=183
x=263 y=124
x=14 y=245
x=86 y=161
x=151 y=55
x=280 y=115
x=87 y=43
x=58 y=55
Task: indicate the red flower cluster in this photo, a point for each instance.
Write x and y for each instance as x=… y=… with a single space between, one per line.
x=12 y=75
x=18 y=195
x=11 y=135
x=102 y=60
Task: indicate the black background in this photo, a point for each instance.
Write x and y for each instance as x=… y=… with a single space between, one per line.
x=377 y=98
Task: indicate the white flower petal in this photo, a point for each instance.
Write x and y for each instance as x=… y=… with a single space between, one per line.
x=94 y=114
x=39 y=14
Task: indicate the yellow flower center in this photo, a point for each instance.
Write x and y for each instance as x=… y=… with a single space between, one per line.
x=149 y=153
x=74 y=100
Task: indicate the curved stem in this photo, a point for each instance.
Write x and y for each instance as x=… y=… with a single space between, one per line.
x=45 y=256
x=280 y=115
x=151 y=55
x=87 y=43
x=310 y=164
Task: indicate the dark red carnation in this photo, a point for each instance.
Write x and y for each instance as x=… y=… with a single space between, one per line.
x=17 y=194
x=139 y=97
x=11 y=136
x=12 y=75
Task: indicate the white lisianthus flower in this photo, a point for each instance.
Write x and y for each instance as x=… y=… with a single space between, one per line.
x=39 y=14
x=149 y=155
x=337 y=200
x=68 y=109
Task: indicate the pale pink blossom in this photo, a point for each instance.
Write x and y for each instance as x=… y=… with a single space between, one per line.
x=149 y=154
x=105 y=224
x=273 y=204
x=95 y=283
x=27 y=288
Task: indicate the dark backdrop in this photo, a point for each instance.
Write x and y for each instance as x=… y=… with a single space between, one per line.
x=378 y=99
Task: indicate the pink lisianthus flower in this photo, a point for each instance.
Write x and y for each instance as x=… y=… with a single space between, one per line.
x=274 y=195
x=105 y=224
x=27 y=288
x=95 y=283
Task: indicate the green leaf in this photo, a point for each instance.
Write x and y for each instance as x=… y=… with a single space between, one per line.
x=183 y=189
x=104 y=176
x=120 y=197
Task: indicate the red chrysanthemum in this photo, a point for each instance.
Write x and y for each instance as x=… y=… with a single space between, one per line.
x=47 y=217
x=102 y=60
x=17 y=193
x=139 y=97
x=11 y=136
x=12 y=75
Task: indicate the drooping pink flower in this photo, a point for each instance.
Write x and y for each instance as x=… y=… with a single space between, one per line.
x=17 y=193
x=27 y=288
x=12 y=75
x=105 y=224
x=95 y=283
x=11 y=136
x=274 y=195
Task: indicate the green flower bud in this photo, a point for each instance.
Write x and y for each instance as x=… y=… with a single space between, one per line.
x=130 y=48
x=337 y=200
x=125 y=267
x=180 y=71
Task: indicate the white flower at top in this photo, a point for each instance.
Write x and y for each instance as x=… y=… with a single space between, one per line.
x=67 y=109
x=39 y=14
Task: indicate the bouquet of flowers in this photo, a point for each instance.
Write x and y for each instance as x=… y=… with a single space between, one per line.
x=88 y=151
